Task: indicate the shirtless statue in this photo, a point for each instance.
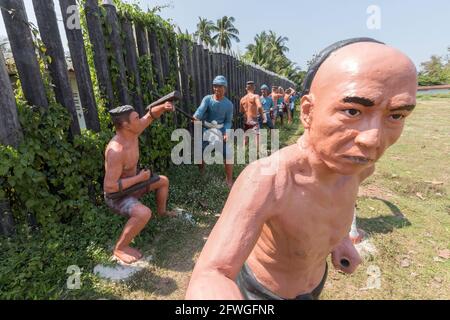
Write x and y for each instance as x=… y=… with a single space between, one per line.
x=121 y=173
x=251 y=107
x=276 y=96
x=277 y=230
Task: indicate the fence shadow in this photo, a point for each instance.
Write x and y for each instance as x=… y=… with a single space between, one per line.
x=384 y=224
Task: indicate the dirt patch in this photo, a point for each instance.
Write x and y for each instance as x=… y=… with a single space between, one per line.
x=374 y=191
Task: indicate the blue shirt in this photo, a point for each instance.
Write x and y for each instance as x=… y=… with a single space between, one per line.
x=212 y=110
x=293 y=98
x=267 y=103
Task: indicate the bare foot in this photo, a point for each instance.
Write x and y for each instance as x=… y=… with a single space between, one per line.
x=134 y=252
x=170 y=214
x=124 y=257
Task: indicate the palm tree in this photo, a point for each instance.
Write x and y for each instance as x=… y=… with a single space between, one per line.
x=225 y=32
x=268 y=51
x=278 y=42
x=204 y=29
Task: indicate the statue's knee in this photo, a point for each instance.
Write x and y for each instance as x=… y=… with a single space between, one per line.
x=143 y=213
x=164 y=181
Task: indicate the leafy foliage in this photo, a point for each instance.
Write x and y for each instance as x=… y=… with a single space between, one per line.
x=204 y=31
x=269 y=51
x=436 y=71
x=225 y=32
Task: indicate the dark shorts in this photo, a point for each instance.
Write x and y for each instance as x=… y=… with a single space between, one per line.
x=252 y=125
x=251 y=289
x=269 y=120
x=125 y=205
x=227 y=153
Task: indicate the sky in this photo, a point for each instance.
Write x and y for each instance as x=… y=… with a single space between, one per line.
x=418 y=28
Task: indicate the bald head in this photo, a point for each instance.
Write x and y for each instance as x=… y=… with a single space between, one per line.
x=357 y=104
x=371 y=67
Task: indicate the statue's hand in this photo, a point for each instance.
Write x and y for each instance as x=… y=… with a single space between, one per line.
x=345 y=257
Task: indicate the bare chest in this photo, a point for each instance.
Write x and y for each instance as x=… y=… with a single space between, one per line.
x=312 y=222
x=130 y=159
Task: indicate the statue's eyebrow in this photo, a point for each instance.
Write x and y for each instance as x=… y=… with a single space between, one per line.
x=409 y=107
x=359 y=100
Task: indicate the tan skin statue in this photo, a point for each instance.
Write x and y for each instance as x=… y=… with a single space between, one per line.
x=288 y=223
x=219 y=94
x=121 y=160
x=250 y=106
x=275 y=96
x=287 y=95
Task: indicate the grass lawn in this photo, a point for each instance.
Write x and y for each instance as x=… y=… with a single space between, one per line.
x=404 y=207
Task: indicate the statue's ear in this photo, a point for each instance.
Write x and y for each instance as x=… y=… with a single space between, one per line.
x=307 y=106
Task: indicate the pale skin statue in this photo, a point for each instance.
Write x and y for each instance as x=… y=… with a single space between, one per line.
x=289 y=222
x=250 y=106
x=121 y=160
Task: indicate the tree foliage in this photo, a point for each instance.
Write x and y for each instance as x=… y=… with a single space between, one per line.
x=225 y=32
x=204 y=31
x=435 y=71
x=269 y=51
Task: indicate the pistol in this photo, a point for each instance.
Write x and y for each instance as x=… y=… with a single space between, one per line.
x=173 y=96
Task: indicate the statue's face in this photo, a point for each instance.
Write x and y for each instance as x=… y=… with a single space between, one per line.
x=133 y=123
x=219 y=90
x=359 y=100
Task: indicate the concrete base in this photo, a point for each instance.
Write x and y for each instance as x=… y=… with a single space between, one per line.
x=366 y=249
x=122 y=271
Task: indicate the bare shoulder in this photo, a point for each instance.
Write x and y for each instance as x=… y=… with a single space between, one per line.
x=254 y=187
x=114 y=151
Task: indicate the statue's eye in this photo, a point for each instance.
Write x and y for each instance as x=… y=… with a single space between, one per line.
x=352 y=112
x=397 y=116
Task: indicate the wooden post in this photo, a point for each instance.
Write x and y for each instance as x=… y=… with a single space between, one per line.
x=97 y=40
x=114 y=38
x=143 y=50
x=206 y=64
x=228 y=59
x=234 y=83
x=184 y=75
x=48 y=27
x=131 y=61
x=221 y=70
x=21 y=41
x=197 y=78
x=10 y=130
x=81 y=66
x=210 y=69
x=10 y=134
x=156 y=57
x=175 y=67
x=141 y=39
x=203 y=70
x=191 y=71
x=165 y=59
x=214 y=64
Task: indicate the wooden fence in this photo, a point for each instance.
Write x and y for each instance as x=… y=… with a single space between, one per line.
x=118 y=43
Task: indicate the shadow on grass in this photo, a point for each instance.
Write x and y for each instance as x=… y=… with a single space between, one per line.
x=384 y=224
x=152 y=283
